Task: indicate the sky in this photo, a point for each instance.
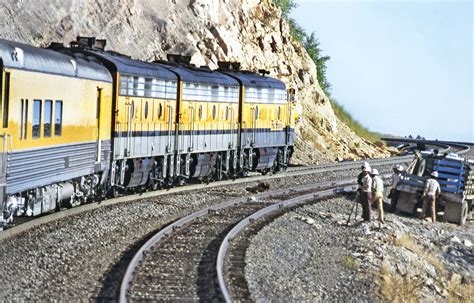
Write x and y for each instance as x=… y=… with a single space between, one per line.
x=399 y=67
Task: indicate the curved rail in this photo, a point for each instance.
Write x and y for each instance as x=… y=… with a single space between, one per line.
x=249 y=220
x=463 y=147
x=237 y=229
x=141 y=253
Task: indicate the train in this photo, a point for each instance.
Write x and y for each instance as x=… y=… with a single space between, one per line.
x=82 y=123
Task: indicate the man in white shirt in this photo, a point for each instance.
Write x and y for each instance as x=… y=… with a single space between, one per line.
x=431 y=190
x=366 y=192
x=377 y=191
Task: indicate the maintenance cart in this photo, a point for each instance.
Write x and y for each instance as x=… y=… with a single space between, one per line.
x=456 y=179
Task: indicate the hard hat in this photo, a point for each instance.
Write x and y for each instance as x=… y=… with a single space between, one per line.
x=375 y=171
x=434 y=174
x=366 y=166
x=398 y=167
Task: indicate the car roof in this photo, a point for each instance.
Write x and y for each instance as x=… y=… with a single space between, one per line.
x=199 y=75
x=251 y=79
x=26 y=57
x=126 y=65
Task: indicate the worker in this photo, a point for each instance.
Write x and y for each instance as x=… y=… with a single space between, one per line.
x=430 y=192
x=377 y=191
x=361 y=174
x=365 y=191
x=394 y=194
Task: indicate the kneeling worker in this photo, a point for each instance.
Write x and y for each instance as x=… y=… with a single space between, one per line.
x=377 y=190
x=430 y=192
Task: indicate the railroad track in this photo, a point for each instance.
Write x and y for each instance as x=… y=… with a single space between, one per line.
x=349 y=164
x=108 y=230
x=231 y=256
x=28 y=223
x=186 y=260
x=448 y=146
x=179 y=262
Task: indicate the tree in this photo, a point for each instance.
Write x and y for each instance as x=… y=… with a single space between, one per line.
x=297 y=32
x=311 y=44
x=286 y=6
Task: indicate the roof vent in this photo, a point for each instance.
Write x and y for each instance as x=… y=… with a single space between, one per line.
x=263 y=72
x=100 y=44
x=235 y=66
x=56 y=46
x=89 y=42
x=179 y=59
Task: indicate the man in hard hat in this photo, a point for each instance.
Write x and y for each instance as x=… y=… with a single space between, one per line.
x=365 y=190
x=431 y=190
x=394 y=194
x=361 y=174
x=377 y=191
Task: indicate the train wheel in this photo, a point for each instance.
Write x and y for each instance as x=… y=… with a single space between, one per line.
x=181 y=181
x=114 y=192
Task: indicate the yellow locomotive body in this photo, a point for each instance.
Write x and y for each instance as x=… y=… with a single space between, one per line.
x=208 y=126
x=266 y=135
x=56 y=125
x=144 y=120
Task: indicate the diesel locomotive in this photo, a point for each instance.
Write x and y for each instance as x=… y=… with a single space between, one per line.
x=83 y=123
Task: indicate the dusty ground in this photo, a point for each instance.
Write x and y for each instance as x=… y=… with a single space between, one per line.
x=318 y=258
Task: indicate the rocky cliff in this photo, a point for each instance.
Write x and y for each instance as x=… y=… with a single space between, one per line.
x=249 y=31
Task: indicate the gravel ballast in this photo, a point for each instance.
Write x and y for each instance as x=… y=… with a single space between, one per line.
x=85 y=256
x=291 y=259
x=309 y=254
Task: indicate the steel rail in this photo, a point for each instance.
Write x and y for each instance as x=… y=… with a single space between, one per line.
x=465 y=146
x=352 y=163
x=141 y=253
x=237 y=229
x=247 y=221
x=290 y=173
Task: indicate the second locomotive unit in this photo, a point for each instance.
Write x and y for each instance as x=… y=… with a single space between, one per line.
x=81 y=123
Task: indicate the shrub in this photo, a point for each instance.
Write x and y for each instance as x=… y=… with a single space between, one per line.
x=352 y=123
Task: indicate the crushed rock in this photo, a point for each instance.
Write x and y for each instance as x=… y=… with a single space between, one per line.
x=291 y=260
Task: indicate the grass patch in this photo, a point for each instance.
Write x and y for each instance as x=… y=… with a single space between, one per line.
x=457 y=291
x=409 y=243
x=396 y=288
x=351 y=262
x=460 y=292
x=346 y=118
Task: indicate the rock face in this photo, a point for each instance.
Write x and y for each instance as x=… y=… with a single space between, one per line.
x=249 y=31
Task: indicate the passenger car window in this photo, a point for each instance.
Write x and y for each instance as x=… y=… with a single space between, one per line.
x=6 y=100
x=35 y=132
x=48 y=115
x=58 y=118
